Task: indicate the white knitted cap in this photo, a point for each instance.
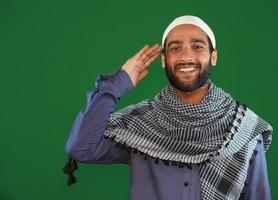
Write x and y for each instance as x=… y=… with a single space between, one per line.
x=189 y=19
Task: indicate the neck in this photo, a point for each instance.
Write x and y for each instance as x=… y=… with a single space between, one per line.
x=193 y=97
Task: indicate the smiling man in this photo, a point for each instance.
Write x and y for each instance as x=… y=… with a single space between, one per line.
x=191 y=141
x=188 y=57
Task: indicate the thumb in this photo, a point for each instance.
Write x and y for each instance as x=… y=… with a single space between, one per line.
x=142 y=75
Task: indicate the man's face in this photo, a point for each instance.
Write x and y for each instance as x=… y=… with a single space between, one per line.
x=187 y=58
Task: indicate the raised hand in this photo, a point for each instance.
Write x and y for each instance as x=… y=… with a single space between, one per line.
x=137 y=66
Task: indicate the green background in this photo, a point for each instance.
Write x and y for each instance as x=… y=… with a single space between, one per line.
x=52 y=51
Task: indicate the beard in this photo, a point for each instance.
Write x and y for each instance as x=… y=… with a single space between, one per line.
x=199 y=81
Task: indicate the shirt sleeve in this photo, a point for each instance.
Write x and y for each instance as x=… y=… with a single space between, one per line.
x=86 y=141
x=257 y=185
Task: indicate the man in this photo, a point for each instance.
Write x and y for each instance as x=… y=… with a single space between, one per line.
x=191 y=141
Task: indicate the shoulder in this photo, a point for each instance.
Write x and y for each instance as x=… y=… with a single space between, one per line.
x=139 y=108
x=261 y=128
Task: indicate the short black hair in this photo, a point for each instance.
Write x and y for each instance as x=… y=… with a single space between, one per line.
x=211 y=49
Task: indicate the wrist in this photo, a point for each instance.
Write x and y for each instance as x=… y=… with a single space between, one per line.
x=116 y=84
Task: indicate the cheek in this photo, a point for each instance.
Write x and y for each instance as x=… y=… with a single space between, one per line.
x=205 y=56
x=171 y=59
x=203 y=59
x=205 y=65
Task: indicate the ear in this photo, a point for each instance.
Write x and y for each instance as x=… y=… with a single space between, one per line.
x=163 y=60
x=214 y=57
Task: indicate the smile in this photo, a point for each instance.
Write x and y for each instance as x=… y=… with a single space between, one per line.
x=187 y=69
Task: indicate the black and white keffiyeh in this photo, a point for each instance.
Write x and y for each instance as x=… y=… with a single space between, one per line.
x=217 y=133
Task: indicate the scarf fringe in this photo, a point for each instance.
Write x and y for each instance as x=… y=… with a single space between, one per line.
x=232 y=130
x=69 y=169
x=147 y=156
x=72 y=165
x=167 y=162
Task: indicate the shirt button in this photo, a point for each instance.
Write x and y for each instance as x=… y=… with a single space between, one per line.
x=185 y=183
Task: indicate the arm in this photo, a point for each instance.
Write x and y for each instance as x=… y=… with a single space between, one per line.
x=257 y=183
x=86 y=142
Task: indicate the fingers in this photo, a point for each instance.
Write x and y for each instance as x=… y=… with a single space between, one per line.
x=140 y=53
x=151 y=59
x=149 y=52
x=155 y=51
x=136 y=66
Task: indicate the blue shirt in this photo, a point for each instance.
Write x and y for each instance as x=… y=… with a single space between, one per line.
x=149 y=180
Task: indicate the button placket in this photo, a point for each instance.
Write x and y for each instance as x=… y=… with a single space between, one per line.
x=186 y=182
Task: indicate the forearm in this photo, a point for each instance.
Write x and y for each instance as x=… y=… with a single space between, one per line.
x=89 y=126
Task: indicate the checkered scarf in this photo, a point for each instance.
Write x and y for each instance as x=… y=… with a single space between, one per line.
x=218 y=133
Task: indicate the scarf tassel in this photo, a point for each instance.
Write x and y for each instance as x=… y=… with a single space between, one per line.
x=69 y=168
x=232 y=126
x=166 y=162
x=156 y=160
x=255 y=152
x=146 y=156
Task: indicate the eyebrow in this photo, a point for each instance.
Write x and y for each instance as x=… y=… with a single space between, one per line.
x=193 y=40
x=174 y=42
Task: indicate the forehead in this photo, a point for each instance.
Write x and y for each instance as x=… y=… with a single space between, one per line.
x=186 y=32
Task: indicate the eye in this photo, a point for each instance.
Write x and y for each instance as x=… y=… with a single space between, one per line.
x=198 y=47
x=174 y=49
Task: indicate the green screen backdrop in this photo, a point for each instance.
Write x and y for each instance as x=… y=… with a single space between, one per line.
x=52 y=51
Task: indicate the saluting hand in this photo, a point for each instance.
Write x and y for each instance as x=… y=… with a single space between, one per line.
x=137 y=66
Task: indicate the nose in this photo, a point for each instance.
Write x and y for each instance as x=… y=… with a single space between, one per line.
x=186 y=55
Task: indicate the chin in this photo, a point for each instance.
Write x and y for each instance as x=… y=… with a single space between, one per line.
x=189 y=87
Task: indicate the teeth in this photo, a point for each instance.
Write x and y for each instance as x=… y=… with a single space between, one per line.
x=187 y=69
